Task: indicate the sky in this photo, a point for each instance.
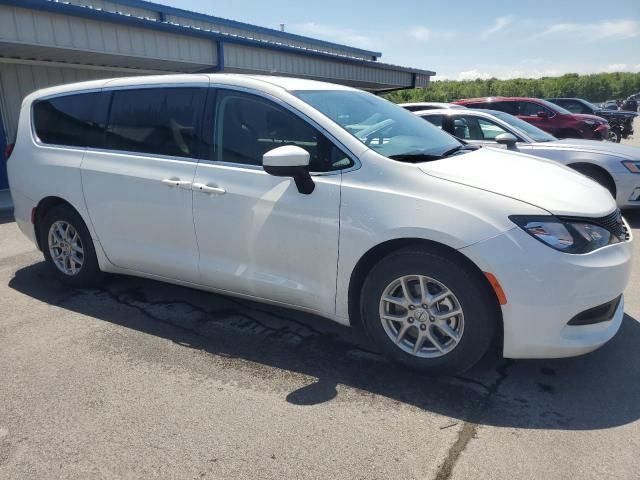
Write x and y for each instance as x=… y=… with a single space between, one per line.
x=461 y=39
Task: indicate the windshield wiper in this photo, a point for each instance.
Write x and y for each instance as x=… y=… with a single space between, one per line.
x=459 y=148
x=414 y=157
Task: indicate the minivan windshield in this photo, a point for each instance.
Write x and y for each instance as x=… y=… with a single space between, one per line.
x=534 y=132
x=383 y=126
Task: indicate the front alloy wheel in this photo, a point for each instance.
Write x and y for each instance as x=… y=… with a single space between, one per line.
x=429 y=309
x=421 y=316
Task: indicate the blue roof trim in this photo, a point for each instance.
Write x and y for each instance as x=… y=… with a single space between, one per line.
x=157 y=7
x=55 y=6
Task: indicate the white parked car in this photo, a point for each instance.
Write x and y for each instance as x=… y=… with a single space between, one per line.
x=614 y=166
x=255 y=187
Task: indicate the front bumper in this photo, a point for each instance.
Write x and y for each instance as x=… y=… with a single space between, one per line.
x=545 y=289
x=627 y=189
x=601 y=132
x=22 y=207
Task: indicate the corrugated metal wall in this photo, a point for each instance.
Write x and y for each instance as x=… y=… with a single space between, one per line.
x=247 y=59
x=32 y=27
x=217 y=27
x=18 y=80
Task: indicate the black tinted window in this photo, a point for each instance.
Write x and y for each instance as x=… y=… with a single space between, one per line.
x=73 y=120
x=248 y=126
x=435 y=119
x=162 y=121
x=573 y=106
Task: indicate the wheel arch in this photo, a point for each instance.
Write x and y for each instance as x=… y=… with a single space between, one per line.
x=582 y=167
x=46 y=205
x=376 y=253
x=568 y=133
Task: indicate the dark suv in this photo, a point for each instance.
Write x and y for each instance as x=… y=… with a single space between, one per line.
x=621 y=122
x=545 y=115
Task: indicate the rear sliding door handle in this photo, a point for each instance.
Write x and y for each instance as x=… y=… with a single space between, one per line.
x=201 y=187
x=176 y=182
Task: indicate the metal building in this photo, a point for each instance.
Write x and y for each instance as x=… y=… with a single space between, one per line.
x=49 y=42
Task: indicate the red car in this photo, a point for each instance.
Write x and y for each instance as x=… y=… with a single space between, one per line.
x=545 y=115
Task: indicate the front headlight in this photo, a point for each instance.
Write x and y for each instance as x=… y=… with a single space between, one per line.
x=633 y=167
x=565 y=235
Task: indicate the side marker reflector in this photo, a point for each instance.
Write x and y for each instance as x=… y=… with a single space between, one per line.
x=502 y=298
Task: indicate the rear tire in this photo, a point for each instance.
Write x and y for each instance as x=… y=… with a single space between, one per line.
x=427 y=334
x=68 y=248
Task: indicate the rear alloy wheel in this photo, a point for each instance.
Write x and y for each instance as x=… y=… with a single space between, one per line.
x=429 y=310
x=68 y=248
x=65 y=247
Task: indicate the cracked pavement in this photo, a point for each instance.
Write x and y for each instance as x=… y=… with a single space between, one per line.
x=139 y=379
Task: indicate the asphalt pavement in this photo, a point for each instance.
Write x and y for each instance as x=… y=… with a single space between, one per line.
x=139 y=379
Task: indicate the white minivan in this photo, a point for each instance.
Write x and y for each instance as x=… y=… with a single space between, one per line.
x=326 y=199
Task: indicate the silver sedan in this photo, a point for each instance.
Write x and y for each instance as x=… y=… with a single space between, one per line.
x=614 y=166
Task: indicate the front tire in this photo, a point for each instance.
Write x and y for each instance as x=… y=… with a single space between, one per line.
x=427 y=311
x=68 y=248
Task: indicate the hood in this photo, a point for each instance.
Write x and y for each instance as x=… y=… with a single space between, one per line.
x=596 y=146
x=584 y=116
x=536 y=181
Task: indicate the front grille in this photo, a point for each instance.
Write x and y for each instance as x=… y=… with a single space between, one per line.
x=613 y=223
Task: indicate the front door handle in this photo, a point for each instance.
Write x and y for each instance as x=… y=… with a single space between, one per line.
x=215 y=190
x=176 y=182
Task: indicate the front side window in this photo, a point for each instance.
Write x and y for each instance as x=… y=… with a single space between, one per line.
x=469 y=127
x=436 y=120
x=160 y=121
x=76 y=120
x=573 y=106
x=248 y=126
x=532 y=131
x=531 y=109
x=384 y=127
x=488 y=129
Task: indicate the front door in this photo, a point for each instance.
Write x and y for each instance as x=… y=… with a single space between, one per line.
x=530 y=112
x=138 y=187
x=475 y=130
x=257 y=234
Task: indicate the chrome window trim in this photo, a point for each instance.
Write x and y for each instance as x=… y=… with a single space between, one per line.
x=155 y=156
x=354 y=158
x=267 y=96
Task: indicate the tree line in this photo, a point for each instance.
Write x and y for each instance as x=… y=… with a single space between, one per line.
x=596 y=87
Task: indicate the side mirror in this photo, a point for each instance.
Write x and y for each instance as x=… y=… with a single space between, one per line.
x=543 y=114
x=290 y=161
x=508 y=140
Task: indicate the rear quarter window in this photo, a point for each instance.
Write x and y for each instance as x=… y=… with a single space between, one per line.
x=76 y=120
